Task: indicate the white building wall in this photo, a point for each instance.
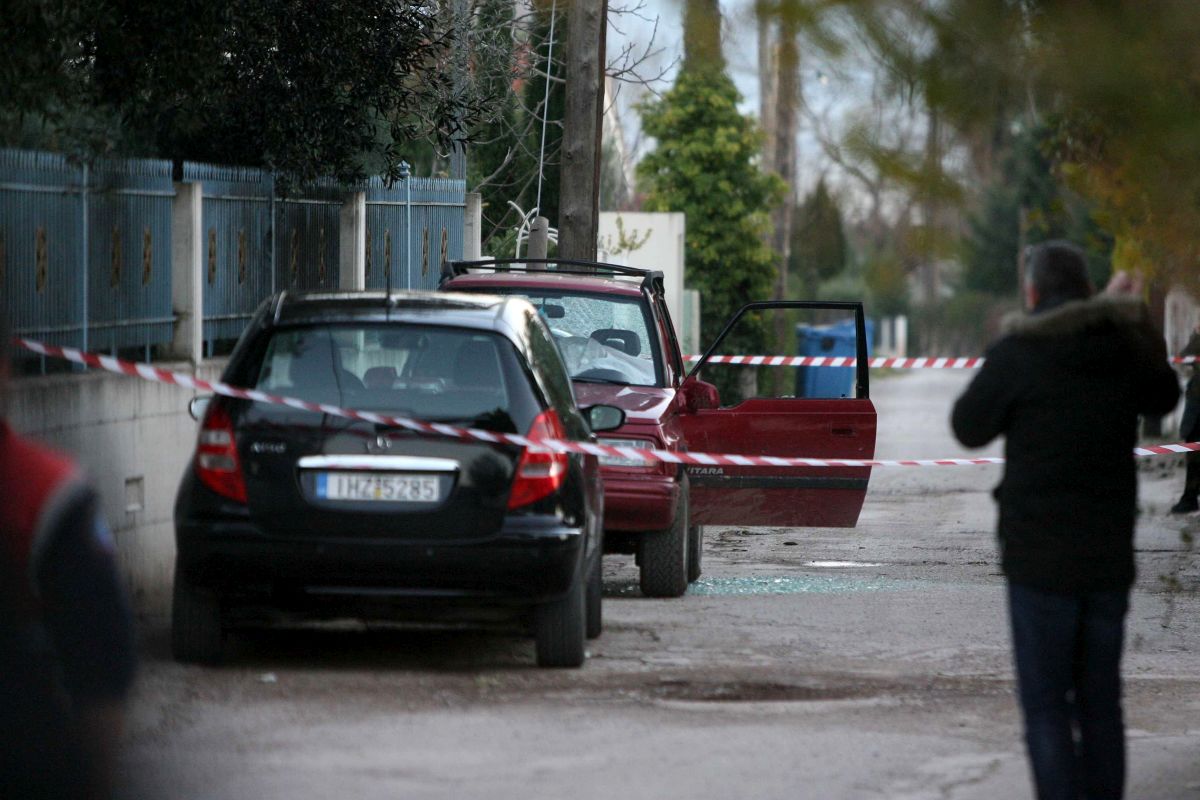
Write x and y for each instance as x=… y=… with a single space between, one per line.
x=649 y=240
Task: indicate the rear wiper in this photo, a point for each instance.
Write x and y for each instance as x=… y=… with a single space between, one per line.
x=497 y=421
x=597 y=380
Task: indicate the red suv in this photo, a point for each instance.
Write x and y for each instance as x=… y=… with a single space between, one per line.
x=615 y=334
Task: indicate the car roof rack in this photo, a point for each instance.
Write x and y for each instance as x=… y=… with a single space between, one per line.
x=650 y=279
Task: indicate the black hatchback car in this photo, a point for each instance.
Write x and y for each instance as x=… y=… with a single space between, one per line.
x=287 y=513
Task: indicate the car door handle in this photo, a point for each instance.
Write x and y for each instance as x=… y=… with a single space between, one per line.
x=843 y=431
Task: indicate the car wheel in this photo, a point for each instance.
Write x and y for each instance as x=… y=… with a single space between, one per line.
x=664 y=555
x=196 y=633
x=560 y=626
x=695 y=552
x=595 y=599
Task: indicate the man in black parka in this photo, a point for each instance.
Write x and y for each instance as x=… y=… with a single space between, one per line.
x=1065 y=386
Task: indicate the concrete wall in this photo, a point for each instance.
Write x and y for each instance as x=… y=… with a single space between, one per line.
x=134 y=438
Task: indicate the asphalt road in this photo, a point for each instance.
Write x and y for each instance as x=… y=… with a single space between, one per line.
x=808 y=663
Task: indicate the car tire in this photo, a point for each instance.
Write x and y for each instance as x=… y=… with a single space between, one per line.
x=560 y=627
x=695 y=552
x=664 y=555
x=197 y=636
x=595 y=599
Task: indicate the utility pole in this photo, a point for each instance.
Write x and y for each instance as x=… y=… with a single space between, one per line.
x=462 y=33
x=579 y=192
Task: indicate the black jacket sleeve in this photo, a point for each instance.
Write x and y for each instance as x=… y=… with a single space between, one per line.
x=1157 y=381
x=982 y=412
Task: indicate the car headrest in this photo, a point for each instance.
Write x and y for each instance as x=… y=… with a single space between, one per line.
x=379 y=377
x=624 y=340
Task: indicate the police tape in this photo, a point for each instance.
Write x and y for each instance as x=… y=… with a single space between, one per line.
x=874 y=363
x=649 y=456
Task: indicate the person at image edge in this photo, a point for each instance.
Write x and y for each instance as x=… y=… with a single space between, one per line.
x=1065 y=386
x=66 y=631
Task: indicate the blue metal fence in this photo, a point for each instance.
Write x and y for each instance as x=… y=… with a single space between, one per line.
x=85 y=253
x=237 y=238
x=129 y=254
x=308 y=225
x=415 y=258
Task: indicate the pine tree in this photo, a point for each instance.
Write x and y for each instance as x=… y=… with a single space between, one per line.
x=818 y=247
x=704 y=165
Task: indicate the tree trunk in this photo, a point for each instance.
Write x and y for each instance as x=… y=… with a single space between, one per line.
x=931 y=207
x=766 y=84
x=579 y=187
x=702 y=35
x=788 y=86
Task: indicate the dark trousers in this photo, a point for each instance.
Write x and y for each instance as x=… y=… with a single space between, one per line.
x=1189 y=431
x=1191 y=483
x=1067 y=650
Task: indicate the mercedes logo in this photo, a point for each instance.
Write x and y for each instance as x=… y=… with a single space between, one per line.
x=381 y=444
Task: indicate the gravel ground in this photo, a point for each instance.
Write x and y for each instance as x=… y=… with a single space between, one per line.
x=822 y=663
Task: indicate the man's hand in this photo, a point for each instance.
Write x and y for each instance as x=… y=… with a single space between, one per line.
x=1125 y=284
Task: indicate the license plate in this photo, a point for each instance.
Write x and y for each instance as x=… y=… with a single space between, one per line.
x=373 y=487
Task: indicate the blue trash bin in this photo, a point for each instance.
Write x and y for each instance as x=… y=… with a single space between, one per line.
x=829 y=341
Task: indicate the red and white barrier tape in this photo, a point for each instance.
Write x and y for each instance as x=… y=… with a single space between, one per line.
x=157 y=375
x=878 y=362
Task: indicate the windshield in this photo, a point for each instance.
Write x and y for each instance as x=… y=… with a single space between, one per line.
x=603 y=338
x=430 y=372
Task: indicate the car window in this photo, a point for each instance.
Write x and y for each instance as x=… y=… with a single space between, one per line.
x=603 y=338
x=826 y=333
x=547 y=360
x=430 y=372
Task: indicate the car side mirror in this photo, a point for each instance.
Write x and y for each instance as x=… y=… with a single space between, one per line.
x=197 y=406
x=604 y=418
x=698 y=394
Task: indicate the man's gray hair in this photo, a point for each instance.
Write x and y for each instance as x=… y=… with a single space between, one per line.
x=1057 y=270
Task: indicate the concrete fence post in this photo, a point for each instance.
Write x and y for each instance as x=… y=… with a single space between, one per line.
x=473 y=227
x=352 y=243
x=187 y=284
x=539 y=240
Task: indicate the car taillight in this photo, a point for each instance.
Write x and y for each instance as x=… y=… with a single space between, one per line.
x=539 y=473
x=217 y=464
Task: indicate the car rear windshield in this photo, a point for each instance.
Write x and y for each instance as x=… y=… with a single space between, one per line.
x=429 y=372
x=603 y=338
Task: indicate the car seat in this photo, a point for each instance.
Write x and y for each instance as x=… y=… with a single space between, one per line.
x=620 y=339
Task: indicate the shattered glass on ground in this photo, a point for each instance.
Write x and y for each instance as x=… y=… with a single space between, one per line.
x=815 y=584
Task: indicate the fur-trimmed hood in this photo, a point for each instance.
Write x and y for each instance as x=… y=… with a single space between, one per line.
x=1078 y=316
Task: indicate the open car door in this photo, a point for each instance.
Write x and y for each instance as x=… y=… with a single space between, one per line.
x=764 y=410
